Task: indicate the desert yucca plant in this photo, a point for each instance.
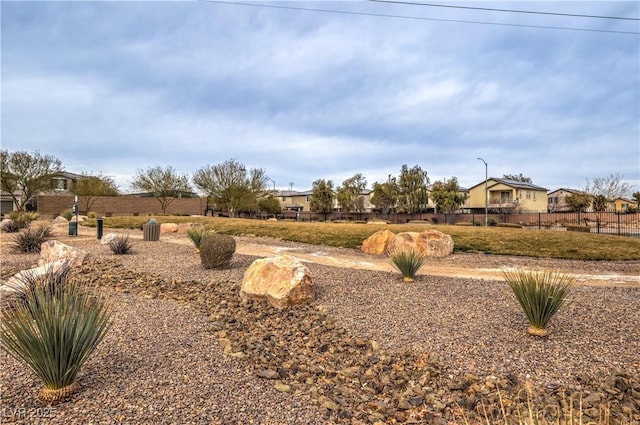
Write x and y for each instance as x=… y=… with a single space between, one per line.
x=197 y=234
x=53 y=332
x=22 y=284
x=12 y=226
x=407 y=261
x=31 y=238
x=121 y=245
x=540 y=294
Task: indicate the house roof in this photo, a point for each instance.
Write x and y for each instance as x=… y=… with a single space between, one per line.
x=566 y=190
x=513 y=183
x=69 y=175
x=293 y=193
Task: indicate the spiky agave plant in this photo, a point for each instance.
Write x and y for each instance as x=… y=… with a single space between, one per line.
x=53 y=332
x=197 y=234
x=540 y=294
x=407 y=261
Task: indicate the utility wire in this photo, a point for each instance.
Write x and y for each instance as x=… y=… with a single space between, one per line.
x=345 y=12
x=575 y=15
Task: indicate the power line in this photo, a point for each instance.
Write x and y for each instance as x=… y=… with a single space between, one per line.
x=345 y=12
x=575 y=15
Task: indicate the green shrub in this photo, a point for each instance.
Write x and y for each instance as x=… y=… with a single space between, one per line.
x=465 y=223
x=197 y=233
x=25 y=216
x=216 y=250
x=31 y=238
x=53 y=333
x=477 y=223
x=68 y=214
x=408 y=261
x=121 y=245
x=92 y=214
x=540 y=294
x=492 y=222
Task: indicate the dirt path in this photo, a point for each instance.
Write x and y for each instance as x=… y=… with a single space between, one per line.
x=476 y=266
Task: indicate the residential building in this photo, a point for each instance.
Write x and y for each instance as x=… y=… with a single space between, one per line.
x=622 y=204
x=558 y=200
x=292 y=200
x=507 y=195
x=461 y=190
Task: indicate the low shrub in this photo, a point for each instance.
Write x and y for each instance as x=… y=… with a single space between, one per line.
x=121 y=245
x=53 y=333
x=540 y=294
x=12 y=226
x=492 y=222
x=465 y=223
x=68 y=214
x=216 y=250
x=585 y=229
x=92 y=214
x=408 y=261
x=31 y=238
x=197 y=233
x=25 y=216
x=510 y=225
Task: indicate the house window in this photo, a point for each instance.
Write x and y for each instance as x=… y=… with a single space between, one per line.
x=528 y=194
x=59 y=184
x=308 y=198
x=505 y=197
x=284 y=199
x=534 y=196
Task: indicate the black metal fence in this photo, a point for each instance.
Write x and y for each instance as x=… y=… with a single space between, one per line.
x=609 y=222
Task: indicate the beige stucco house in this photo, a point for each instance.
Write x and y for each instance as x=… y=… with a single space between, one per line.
x=508 y=195
x=558 y=200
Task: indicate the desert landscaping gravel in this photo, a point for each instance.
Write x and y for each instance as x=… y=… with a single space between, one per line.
x=185 y=349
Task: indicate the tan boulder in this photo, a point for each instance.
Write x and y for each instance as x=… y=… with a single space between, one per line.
x=168 y=228
x=282 y=281
x=52 y=251
x=18 y=282
x=378 y=242
x=431 y=243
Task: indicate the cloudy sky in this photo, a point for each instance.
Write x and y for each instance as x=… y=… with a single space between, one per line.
x=116 y=87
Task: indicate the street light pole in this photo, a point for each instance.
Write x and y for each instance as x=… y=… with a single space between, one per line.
x=274 y=185
x=486 y=192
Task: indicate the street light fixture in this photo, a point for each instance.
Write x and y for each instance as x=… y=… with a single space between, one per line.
x=274 y=185
x=486 y=192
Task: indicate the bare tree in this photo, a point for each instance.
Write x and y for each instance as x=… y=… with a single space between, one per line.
x=26 y=174
x=611 y=187
x=164 y=184
x=517 y=178
x=88 y=187
x=230 y=187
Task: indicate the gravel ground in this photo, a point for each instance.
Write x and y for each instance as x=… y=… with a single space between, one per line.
x=163 y=362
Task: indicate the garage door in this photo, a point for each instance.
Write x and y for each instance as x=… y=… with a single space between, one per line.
x=6 y=206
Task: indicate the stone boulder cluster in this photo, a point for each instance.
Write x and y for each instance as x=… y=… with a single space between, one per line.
x=430 y=243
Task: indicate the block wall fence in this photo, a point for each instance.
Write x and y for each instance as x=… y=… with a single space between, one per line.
x=53 y=205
